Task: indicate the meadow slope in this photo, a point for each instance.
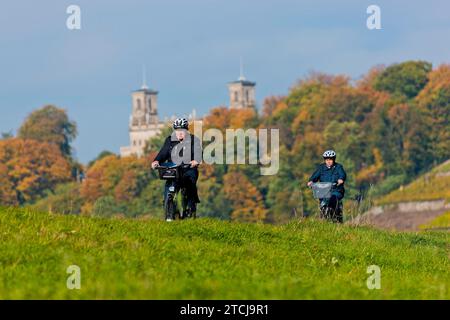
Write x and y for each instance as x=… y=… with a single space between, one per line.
x=212 y=259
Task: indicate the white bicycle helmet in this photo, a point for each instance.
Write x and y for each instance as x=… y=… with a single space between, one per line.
x=181 y=123
x=329 y=154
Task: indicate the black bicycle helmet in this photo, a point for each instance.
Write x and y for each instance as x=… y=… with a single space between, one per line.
x=181 y=123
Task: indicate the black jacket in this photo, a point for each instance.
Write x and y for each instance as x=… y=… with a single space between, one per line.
x=333 y=174
x=173 y=146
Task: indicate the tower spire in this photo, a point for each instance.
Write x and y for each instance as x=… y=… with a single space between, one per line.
x=241 y=74
x=144 y=78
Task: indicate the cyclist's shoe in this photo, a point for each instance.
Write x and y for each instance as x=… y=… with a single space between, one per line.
x=193 y=211
x=190 y=210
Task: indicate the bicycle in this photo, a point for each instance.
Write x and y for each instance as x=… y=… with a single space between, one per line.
x=323 y=191
x=173 y=174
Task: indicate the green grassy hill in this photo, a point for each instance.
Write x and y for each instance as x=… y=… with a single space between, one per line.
x=434 y=185
x=212 y=259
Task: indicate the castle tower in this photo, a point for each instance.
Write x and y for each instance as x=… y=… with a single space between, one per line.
x=144 y=122
x=144 y=105
x=242 y=92
x=144 y=110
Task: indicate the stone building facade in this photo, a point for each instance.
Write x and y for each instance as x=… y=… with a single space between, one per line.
x=144 y=122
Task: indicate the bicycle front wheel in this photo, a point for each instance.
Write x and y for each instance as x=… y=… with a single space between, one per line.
x=170 y=208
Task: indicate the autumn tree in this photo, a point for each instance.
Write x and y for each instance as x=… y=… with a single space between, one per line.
x=404 y=80
x=120 y=179
x=434 y=104
x=387 y=128
x=214 y=202
x=101 y=155
x=224 y=118
x=247 y=202
x=270 y=104
x=154 y=144
x=28 y=169
x=287 y=195
x=50 y=124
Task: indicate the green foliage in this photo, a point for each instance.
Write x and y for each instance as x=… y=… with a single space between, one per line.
x=155 y=143
x=442 y=221
x=434 y=105
x=434 y=185
x=389 y=184
x=66 y=199
x=107 y=207
x=387 y=129
x=50 y=124
x=149 y=202
x=404 y=80
x=212 y=259
x=214 y=204
x=285 y=200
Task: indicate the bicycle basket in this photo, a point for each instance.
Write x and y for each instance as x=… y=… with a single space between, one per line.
x=322 y=190
x=167 y=173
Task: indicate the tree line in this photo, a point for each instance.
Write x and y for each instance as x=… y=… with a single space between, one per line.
x=387 y=128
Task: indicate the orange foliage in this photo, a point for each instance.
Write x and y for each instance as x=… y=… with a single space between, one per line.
x=217 y=118
x=28 y=168
x=241 y=118
x=115 y=176
x=207 y=171
x=223 y=118
x=125 y=190
x=438 y=79
x=270 y=104
x=367 y=81
x=279 y=108
x=246 y=199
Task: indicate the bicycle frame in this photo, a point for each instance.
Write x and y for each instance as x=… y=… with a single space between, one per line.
x=173 y=174
x=323 y=191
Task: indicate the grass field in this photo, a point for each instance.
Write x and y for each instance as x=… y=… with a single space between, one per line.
x=212 y=259
x=442 y=221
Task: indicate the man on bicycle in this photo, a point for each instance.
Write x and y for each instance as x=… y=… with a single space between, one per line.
x=331 y=171
x=181 y=147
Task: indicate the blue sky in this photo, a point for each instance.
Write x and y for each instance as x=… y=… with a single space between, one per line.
x=191 y=49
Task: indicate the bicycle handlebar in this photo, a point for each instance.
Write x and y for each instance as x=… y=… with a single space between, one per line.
x=334 y=184
x=182 y=165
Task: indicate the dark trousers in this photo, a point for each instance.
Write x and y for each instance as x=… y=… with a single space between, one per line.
x=189 y=182
x=333 y=202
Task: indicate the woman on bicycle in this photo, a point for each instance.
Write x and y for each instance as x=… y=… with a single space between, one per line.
x=331 y=171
